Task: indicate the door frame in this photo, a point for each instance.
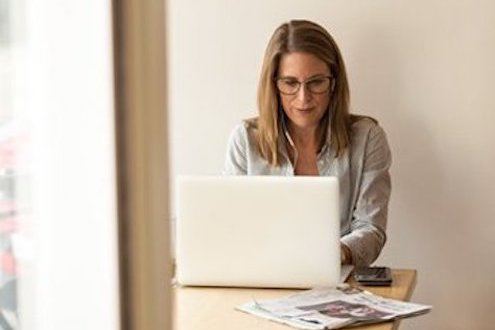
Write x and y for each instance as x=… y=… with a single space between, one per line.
x=142 y=163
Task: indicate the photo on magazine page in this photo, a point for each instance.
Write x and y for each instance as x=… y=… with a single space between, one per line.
x=346 y=310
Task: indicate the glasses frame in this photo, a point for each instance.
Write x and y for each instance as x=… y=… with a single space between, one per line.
x=304 y=82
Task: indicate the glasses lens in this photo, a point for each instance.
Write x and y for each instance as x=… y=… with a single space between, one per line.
x=318 y=85
x=288 y=86
x=291 y=86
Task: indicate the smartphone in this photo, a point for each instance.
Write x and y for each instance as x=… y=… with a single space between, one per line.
x=373 y=276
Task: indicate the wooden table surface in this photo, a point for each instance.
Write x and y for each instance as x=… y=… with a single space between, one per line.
x=197 y=308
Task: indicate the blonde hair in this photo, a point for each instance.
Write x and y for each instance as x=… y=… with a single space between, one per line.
x=308 y=37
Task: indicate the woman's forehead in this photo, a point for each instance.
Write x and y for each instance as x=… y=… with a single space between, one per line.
x=301 y=65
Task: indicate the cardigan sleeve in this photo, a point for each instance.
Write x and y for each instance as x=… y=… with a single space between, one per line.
x=369 y=216
x=235 y=159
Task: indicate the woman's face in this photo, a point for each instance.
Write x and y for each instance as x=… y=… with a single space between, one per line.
x=305 y=108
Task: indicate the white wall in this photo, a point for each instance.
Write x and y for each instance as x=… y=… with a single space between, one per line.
x=425 y=69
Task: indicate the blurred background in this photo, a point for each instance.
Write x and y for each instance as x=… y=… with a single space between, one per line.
x=424 y=69
x=58 y=221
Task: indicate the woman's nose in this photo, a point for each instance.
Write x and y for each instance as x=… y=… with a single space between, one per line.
x=303 y=94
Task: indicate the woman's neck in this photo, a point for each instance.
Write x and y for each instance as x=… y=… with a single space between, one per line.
x=304 y=138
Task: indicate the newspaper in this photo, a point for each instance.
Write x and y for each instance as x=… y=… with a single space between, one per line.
x=332 y=308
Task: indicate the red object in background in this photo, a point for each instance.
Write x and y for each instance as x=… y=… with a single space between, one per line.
x=7 y=263
x=7 y=153
x=8 y=225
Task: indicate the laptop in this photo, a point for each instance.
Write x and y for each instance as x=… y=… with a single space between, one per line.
x=257 y=231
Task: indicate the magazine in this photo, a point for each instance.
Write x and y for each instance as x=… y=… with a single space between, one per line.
x=332 y=308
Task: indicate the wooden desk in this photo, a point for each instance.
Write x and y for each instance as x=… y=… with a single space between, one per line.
x=197 y=308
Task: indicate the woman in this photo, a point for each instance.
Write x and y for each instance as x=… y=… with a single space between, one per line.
x=304 y=128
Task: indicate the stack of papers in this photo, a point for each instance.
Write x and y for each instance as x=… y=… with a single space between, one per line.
x=332 y=308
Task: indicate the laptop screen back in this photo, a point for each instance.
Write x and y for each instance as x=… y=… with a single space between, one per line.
x=254 y=231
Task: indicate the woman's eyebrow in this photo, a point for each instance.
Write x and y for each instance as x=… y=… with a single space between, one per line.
x=318 y=75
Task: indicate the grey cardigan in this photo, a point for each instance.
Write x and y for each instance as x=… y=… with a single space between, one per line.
x=363 y=173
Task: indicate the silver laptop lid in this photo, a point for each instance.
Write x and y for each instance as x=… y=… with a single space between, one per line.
x=258 y=231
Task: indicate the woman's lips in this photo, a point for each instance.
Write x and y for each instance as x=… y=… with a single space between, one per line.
x=304 y=109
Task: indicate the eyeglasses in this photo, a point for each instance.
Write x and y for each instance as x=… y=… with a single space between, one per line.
x=316 y=85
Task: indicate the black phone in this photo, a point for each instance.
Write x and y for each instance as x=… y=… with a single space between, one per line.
x=373 y=276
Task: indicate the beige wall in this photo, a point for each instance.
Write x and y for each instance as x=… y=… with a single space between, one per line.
x=425 y=69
